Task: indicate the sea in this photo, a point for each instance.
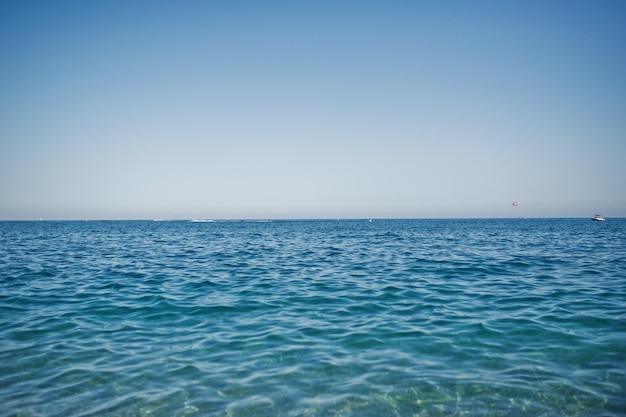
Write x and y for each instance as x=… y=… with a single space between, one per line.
x=432 y=317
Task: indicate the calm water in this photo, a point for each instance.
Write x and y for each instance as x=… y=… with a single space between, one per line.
x=313 y=318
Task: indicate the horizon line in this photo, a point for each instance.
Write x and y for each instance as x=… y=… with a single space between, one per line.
x=267 y=219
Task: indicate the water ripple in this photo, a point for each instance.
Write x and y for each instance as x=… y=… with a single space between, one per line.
x=313 y=318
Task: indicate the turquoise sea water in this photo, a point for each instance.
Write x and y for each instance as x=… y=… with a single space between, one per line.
x=313 y=318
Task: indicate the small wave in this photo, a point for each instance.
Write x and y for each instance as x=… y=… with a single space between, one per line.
x=312 y=318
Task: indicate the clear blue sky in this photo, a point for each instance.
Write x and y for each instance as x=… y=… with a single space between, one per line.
x=312 y=109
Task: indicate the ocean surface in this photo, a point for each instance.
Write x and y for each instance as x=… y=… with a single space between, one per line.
x=501 y=317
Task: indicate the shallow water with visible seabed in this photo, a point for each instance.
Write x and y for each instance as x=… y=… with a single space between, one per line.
x=477 y=317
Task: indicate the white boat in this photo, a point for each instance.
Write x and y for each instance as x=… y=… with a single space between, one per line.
x=598 y=218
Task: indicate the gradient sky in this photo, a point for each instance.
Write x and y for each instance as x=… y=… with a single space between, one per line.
x=312 y=109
